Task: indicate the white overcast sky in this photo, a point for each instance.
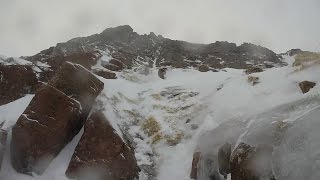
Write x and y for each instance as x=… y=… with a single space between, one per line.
x=28 y=26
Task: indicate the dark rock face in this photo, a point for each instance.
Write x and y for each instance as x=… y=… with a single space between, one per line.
x=15 y=82
x=114 y=65
x=162 y=73
x=129 y=49
x=50 y=121
x=251 y=70
x=3 y=142
x=224 y=159
x=77 y=82
x=305 y=86
x=102 y=153
x=105 y=74
x=293 y=52
x=251 y=163
x=86 y=59
x=195 y=164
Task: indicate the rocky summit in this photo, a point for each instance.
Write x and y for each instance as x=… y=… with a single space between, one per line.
x=123 y=106
x=127 y=49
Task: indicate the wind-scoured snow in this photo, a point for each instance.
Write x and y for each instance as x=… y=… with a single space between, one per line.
x=13 y=61
x=187 y=105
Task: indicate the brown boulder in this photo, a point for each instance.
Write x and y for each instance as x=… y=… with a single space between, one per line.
x=251 y=163
x=253 y=69
x=162 y=73
x=77 y=82
x=203 y=68
x=305 y=86
x=105 y=74
x=3 y=142
x=50 y=121
x=195 y=165
x=102 y=153
x=16 y=81
x=114 y=65
x=86 y=59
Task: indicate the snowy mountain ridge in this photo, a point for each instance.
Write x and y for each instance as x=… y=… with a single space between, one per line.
x=168 y=120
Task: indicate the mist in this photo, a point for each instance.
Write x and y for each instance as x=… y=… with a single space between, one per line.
x=28 y=27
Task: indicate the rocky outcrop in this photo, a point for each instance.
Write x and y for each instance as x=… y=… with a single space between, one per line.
x=16 y=81
x=293 y=52
x=114 y=65
x=162 y=73
x=50 y=121
x=305 y=86
x=251 y=163
x=54 y=116
x=86 y=59
x=77 y=82
x=251 y=70
x=3 y=142
x=128 y=49
x=101 y=152
x=105 y=74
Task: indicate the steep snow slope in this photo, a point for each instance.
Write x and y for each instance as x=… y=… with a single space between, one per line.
x=206 y=108
x=165 y=119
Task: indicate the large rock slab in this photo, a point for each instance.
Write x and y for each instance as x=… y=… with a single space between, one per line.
x=50 y=121
x=15 y=82
x=105 y=74
x=101 y=154
x=55 y=115
x=86 y=59
x=79 y=83
x=114 y=65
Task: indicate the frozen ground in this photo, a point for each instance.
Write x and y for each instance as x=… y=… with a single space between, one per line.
x=184 y=107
